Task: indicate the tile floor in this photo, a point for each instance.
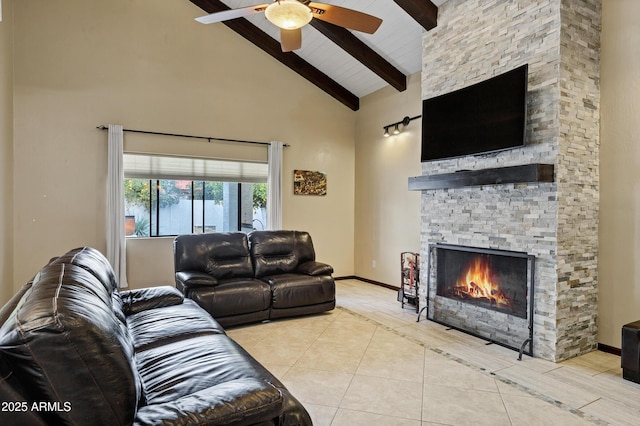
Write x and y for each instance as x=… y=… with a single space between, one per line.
x=369 y=362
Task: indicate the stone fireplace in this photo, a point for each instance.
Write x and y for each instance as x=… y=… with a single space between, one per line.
x=555 y=220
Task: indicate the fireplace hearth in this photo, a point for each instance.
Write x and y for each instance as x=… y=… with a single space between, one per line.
x=485 y=292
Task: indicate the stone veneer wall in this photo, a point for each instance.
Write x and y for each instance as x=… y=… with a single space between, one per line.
x=557 y=222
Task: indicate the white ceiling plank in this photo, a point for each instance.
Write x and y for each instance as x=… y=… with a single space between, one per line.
x=398 y=40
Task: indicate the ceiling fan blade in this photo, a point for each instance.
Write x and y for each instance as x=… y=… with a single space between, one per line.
x=347 y=18
x=232 y=14
x=290 y=39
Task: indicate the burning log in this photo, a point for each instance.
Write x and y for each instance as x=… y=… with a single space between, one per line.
x=478 y=283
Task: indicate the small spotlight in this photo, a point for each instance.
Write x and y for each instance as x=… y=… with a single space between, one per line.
x=396 y=130
x=386 y=132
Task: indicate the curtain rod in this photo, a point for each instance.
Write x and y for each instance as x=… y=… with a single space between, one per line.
x=209 y=138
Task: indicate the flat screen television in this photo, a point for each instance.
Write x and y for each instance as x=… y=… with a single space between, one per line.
x=484 y=117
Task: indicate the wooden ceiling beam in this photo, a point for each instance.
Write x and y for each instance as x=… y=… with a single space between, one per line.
x=363 y=53
x=423 y=11
x=272 y=47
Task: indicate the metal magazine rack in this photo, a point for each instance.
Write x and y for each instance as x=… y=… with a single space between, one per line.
x=409 y=279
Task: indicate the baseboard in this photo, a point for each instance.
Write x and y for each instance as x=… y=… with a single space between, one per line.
x=367 y=280
x=609 y=349
x=349 y=277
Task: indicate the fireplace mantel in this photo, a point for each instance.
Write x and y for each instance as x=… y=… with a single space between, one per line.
x=527 y=173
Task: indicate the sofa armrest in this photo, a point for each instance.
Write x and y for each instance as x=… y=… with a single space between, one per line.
x=190 y=279
x=138 y=300
x=314 y=268
x=241 y=401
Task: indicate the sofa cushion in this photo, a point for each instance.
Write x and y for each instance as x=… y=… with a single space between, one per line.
x=233 y=297
x=202 y=366
x=237 y=402
x=314 y=268
x=160 y=326
x=138 y=300
x=222 y=255
x=65 y=341
x=93 y=262
x=172 y=371
x=12 y=393
x=294 y=290
x=279 y=252
x=188 y=279
x=303 y=248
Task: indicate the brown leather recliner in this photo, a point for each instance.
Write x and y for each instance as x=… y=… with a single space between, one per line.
x=215 y=270
x=240 y=279
x=287 y=261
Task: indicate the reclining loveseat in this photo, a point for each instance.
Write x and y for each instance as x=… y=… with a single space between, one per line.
x=266 y=275
x=75 y=351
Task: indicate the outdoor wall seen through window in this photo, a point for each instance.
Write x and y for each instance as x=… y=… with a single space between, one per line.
x=159 y=207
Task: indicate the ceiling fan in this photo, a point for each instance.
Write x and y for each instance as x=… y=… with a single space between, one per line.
x=291 y=15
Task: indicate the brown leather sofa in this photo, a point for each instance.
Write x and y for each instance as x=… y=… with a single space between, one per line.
x=74 y=350
x=266 y=275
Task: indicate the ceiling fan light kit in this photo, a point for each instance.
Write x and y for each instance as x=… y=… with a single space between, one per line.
x=288 y=14
x=291 y=15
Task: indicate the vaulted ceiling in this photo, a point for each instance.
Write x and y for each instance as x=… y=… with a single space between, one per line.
x=345 y=64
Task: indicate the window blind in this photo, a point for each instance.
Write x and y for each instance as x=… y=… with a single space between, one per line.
x=145 y=166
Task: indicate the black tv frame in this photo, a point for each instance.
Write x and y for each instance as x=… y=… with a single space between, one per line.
x=486 y=117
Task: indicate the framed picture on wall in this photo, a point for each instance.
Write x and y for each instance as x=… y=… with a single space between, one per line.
x=307 y=182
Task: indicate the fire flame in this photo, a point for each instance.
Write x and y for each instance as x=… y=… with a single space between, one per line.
x=478 y=283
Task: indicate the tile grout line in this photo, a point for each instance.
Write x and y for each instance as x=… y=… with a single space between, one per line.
x=504 y=404
x=353 y=376
x=505 y=380
x=351 y=380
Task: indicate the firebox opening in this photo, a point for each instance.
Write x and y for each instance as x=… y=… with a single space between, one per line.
x=488 y=293
x=488 y=280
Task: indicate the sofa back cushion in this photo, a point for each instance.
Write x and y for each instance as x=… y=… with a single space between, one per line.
x=303 y=248
x=222 y=255
x=93 y=262
x=280 y=252
x=66 y=344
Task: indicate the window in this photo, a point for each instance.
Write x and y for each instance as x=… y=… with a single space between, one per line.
x=167 y=196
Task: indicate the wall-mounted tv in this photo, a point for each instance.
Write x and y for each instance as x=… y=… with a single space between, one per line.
x=484 y=117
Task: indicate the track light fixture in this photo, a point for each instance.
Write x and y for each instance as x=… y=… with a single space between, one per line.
x=396 y=126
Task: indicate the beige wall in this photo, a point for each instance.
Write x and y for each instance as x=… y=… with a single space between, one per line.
x=6 y=152
x=79 y=64
x=82 y=63
x=619 y=256
x=387 y=213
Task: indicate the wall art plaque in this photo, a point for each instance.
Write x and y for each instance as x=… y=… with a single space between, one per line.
x=307 y=182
